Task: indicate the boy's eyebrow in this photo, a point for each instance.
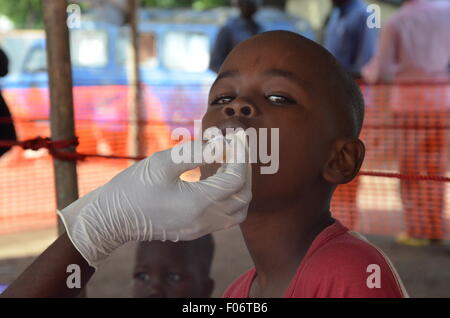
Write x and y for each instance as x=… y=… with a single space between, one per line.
x=286 y=74
x=272 y=72
x=231 y=73
x=226 y=74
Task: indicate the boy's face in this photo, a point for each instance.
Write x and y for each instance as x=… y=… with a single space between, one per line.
x=268 y=86
x=164 y=270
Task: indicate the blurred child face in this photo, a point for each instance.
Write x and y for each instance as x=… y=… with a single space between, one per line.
x=165 y=270
x=275 y=85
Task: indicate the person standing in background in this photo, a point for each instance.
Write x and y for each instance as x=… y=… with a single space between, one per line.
x=352 y=42
x=235 y=31
x=414 y=54
x=347 y=35
x=7 y=130
x=111 y=11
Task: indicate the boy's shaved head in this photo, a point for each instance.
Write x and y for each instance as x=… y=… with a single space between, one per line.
x=328 y=80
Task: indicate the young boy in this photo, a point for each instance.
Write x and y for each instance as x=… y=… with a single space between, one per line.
x=174 y=270
x=273 y=80
x=282 y=80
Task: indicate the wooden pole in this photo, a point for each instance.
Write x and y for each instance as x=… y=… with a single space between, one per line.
x=61 y=100
x=135 y=133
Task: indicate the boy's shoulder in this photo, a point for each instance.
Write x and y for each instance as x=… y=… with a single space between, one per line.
x=342 y=263
x=339 y=263
x=241 y=286
x=342 y=247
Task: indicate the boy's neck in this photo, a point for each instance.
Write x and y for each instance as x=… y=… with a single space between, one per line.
x=278 y=240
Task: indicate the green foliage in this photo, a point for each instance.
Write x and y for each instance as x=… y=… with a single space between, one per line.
x=208 y=4
x=24 y=13
x=28 y=14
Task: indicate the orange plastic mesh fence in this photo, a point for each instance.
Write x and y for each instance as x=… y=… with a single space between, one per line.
x=404 y=184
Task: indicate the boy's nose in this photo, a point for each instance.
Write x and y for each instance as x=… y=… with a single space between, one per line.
x=155 y=289
x=239 y=109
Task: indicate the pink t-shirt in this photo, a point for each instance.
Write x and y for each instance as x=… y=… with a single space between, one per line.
x=414 y=45
x=338 y=264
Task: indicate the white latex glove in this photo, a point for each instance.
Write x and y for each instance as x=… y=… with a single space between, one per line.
x=148 y=201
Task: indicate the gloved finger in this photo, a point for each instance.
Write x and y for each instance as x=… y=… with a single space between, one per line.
x=242 y=198
x=181 y=158
x=235 y=213
x=236 y=154
x=223 y=184
x=230 y=172
x=236 y=201
x=191 y=233
x=210 y=222
x=190 y=155
x=185 y=156
x=239 y=216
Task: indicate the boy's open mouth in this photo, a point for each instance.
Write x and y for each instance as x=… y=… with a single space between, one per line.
x=230 y=124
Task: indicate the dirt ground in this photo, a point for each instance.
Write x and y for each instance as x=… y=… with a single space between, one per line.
x=425 y=271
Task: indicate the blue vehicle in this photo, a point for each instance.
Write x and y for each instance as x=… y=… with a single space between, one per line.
x=174 y=59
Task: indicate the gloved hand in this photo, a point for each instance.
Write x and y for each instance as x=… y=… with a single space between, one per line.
x=148 y=201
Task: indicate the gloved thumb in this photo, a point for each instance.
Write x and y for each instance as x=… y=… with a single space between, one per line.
x=181 y=158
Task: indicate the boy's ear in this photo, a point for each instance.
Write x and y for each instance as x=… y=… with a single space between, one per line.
x=345 y=160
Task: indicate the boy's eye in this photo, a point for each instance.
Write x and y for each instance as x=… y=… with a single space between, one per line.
x=174 y=277
x=142 y=277
x=280 y=100
x=222 y=100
